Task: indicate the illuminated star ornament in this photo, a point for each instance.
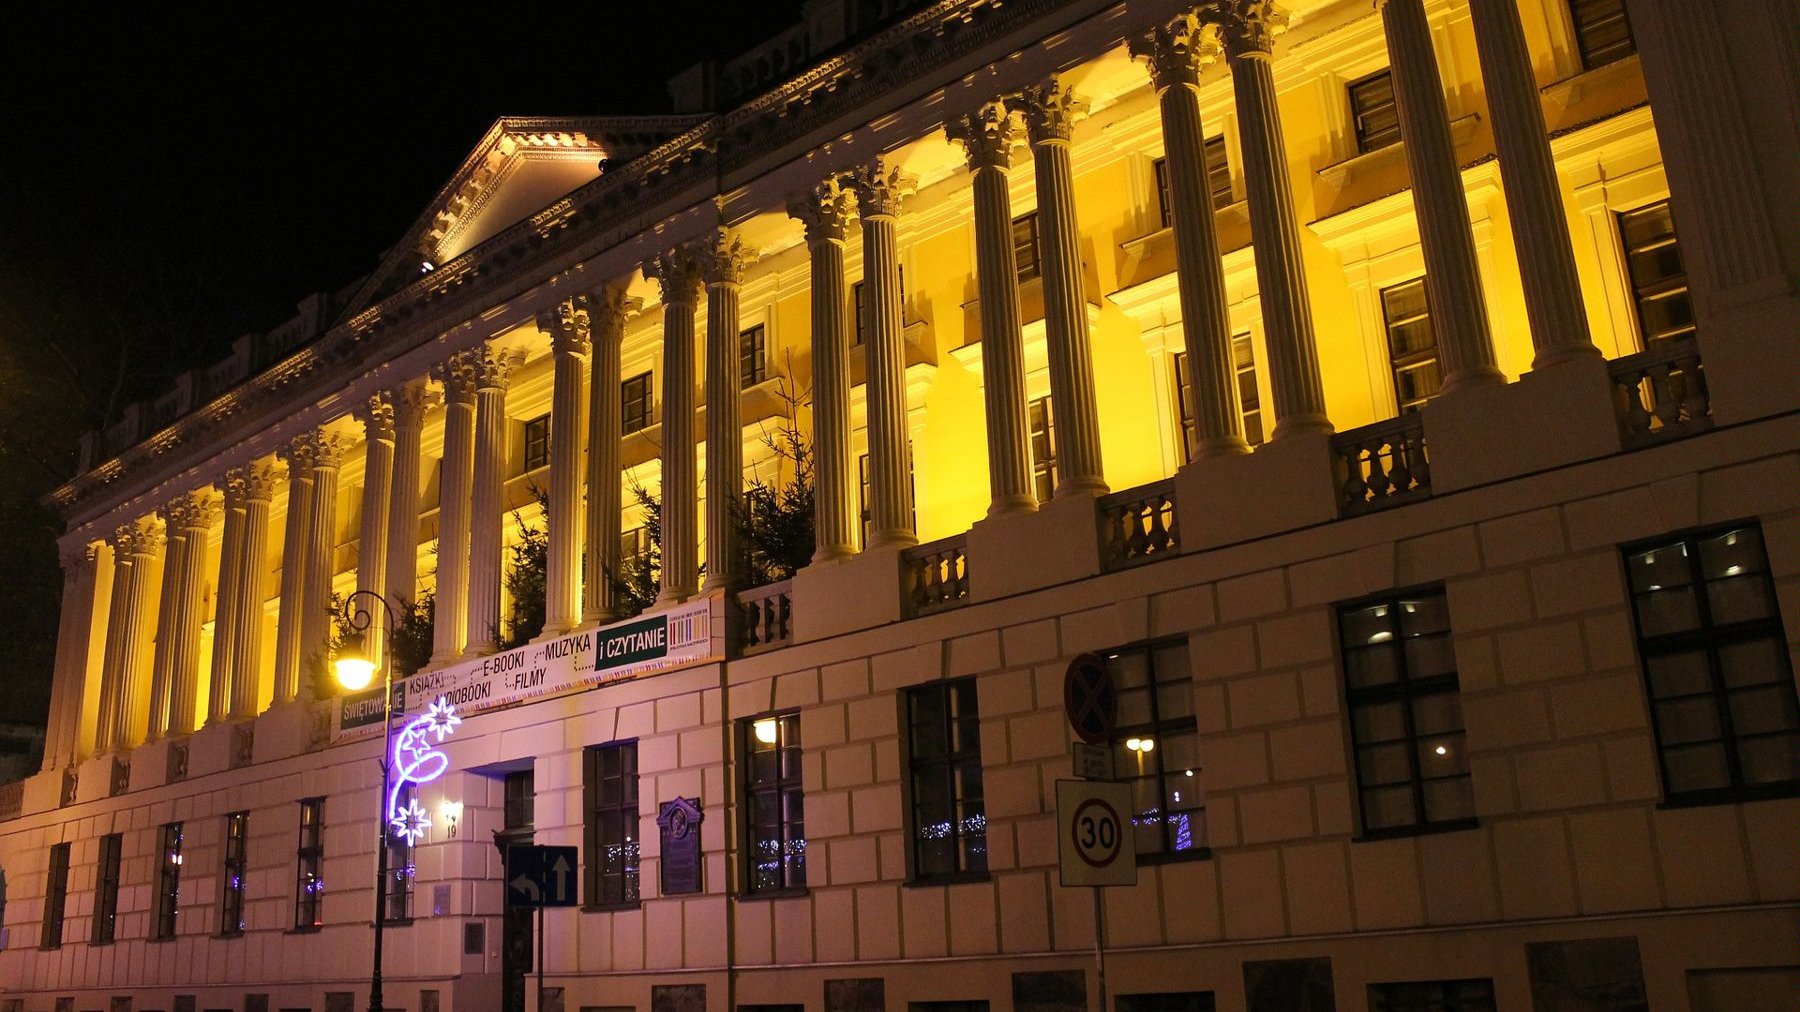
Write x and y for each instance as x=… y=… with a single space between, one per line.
x=415 y=761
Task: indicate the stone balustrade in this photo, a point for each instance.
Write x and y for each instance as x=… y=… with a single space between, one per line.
x=1660 y=393
x=937 y=574
x=768 y=613
x=1138 y=524
x=1381 y=465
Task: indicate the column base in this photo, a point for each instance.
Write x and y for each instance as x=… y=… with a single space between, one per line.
x=860 y=592
x=1007 y=553
x=1285 y=484
x=1552 y=416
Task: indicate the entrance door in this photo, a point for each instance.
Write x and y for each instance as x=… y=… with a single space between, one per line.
x=516 y=941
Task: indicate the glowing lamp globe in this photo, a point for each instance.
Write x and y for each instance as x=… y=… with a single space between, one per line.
x=354 y=668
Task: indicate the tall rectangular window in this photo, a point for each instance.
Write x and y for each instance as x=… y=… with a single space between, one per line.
x=610 y=786
x=401 y=870
x=634 y=403
x=860 y=307
x=1412 y=346
x=237 y=852
x=1659 y=283
x=774 y=804
x=1042 y=426
x=634 y=545
x=1026 y=251
x=1373 y=113
x=309 y=865
x=949 y=820
x=537 y=443
x=1433 y=996
x=753 y=355
x=1156 y=748
x=1722 y=699
x=1406 y=723
x=1183 y=1001
x=1602 y=35
x=106 y=889
x=56 y=897
x=1218 y=181
x=520 y=791
x=168 y=882
x=866 y=522
x=1243 y=359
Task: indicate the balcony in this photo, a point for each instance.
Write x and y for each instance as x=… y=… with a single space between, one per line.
x=937 y=575
x=768 y=614
x=1660 y=393
x=1138 y=525
x=1381 y=465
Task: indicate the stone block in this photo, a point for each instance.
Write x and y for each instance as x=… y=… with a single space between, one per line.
x=1477 y=665
x=1319 y=693
x=914 y=665
x=975 y=654
x=678 y=713
x=878 y=922
x=827 y=814
x=1006 y=692
x=1702 y=857
x=1579 y=583
x=1210 y=715
x=1769 y=831
x=1318 y=888
x=1606 y=521
x=849 y=766
x=925 y=923
x=1746 y=335
x=1631 y=768
x=1326 y=581
x=1759 y=488
x=1221 y=653
x=1496 y=788
x=1599 y=705
x=1011 y=790
x=845 y=680
x=1522 y=537
x=1565 y=776
x=874 y=717
x=1183 y=610
x=1222 y=821
x=1550 y=418
x=1489 y=601
x=1332 y=808
x=1611 y=641
x=874 y=809
x=1006 y=552
x=975 y=930
x=823 y=725
x=1308 y=751
x=1385 y=882
x=1024 y=912
x=1038 y=735
x=1253 y=595
x=1286 y=484
x=1614 y=867
x=1301 y=638
x=1037 y=842
x=1544 y=651
x=1535 y=877
x=1458 y=872
x=1264 y=699
x=1251 y=884
x=834 y=923
x=853 y=859
x=1030 y=643
x=1279 y=814
x=844 y=595
x=1505 y=719
x=1232 y=761
x=994 y=748
x=793 y=930
x=1436 y=556
x=801 y=688
x=1191 y=901
x=1093 y=631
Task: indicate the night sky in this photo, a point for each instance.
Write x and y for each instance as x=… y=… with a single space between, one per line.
x=172 y=178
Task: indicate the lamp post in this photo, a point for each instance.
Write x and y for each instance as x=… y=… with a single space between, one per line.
x=354 y=672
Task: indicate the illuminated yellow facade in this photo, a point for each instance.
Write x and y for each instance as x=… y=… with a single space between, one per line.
x=1219 y=342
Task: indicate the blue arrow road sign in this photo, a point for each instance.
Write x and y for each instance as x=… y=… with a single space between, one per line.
x=541 y=876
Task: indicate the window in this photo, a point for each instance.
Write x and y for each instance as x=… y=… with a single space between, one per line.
x=1027 y=253
x=949 y=822
x=1602 y=974
x=634 y=545
x=1243 y=358
x=1659 y=285
x=106 y=889
x=1722 y=699
x=1602 y=35
x=1433 y=996
x=520 y=790
x=537 y=443
x=1412 y=347
x=237 y=844
x=1218 y=181
x=1373 y=114
x=168 y=882
x=634 y=401
x=753 y=355
x=1184 y=1001
x=860 y=305
x=862 y=495
x=56 y=897
x=401 y=871
x=775 y=808
x=309 y=880
x=1155 y=748
x=1042 y=426
x=1406 y=723
x=610 y=783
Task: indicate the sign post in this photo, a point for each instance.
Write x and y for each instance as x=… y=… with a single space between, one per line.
x=1095 y=847
x=541 y=877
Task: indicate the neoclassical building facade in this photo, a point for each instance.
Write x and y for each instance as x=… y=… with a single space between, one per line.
x=1399 y=401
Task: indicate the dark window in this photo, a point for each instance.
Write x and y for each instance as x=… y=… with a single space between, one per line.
x=1602 y=35
x=521 y=800
x=56 y=896
x=1185 y=1001
x=1027 y=255
x=1659 y=283
x=537 y=442
x=865 y=517
x=1155 y=748
x=775 y=806
x=1433 y=996
x=947 y=1006
x=309 y=878
x=610 y=782
x=1243 y=357
x=1412 y=346
x=1372 y=110
x=168 y=882
x=1289 y=985
x=859 y=304
x=1218 y=181
x=1591 y=974
x=106 y=889
x=1412 y=767
x=398 y=905
x=1716 y=665
x=1042 y=425
x=753 y=355
x=949 y=821
x=634 y=403
x=634 y=545
x=237 y=844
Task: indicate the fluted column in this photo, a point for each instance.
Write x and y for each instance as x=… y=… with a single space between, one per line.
x=825 y=210
x=1248 y=29
x=74 y=634
x=450 y=630
x=568 y=328
x=225 y=610
x=679 y=277
x=988 y=137
x=298 y=456
x=1540 y=227
x=1176 y=52
x=124 y=693
x=156 y=703
x=1452 y=280
x=410 y=401
x=189 y=520
x=377 y=418
x=321 y=556
x=244 y=696
x=1050 y=112
x=487 y=503
x=607 y=312
x=879 y=191
x=722 y=264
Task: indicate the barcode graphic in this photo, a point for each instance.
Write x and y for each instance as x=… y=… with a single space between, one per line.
x=688 y=630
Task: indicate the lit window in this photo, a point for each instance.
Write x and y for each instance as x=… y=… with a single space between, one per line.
x=1659 y=283
x=634 y=548
x=309 y=878
x=1433 y=996
x=753 y=355
x=1026 y=249
x=56 y=896
x=949 y=820
x=1602 y=35
x=237 y=844
x=610 y=782
x=1412 y=346
x=106 y=889
x=1373 y=113
x=1722 y=698
x=537 y=443
x=1156 y=748
x=168 y=882
x=634 y=403
x=1042 y=427
x=775 y=804
x=1406 y=723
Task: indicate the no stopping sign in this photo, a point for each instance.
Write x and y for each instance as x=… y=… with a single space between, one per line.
x=1094 y=840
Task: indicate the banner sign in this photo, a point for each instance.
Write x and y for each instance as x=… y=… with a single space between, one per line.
x=571 y=663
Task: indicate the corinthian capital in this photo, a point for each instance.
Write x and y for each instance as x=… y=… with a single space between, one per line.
x=410 y=399
x=252 y=482
x=608 y=308
x=377 y=416
x=723 y=259
x=566 y=325
x=1248 y=27
x=988 y=135
x=139 y=537
x=1177 y=50
x=298 y=456
x=457 y=373
x=1050 y=110
x=494 y=366
x=879 y=188
x=824 y=209
x=677 y=273
x=328 y=449
x=190 y=511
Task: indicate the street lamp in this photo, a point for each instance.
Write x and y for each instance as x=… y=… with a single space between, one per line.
x=355 y=670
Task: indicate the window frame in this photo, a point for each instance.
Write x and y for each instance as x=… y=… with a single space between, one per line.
x=1158 y=728
x=1594 y=59
x=309 y=866
x=106 y=889
x=1381 y=996
x=1027 y=241
x=1044 y=476
x=397 y=891
x=1668 y=286
x=944 y=765
x=56 y=898
x=1413 y=360
x=234 y=864
x=753 y=355
x=163 y=926
x=535 y=444
x=637 y=408
x=594 y=811
x=1369 y=141
x=751 y=794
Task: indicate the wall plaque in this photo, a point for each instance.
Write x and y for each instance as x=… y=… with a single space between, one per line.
x=679 y=821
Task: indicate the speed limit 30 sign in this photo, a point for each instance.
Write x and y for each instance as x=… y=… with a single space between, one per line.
x=1095 y=846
